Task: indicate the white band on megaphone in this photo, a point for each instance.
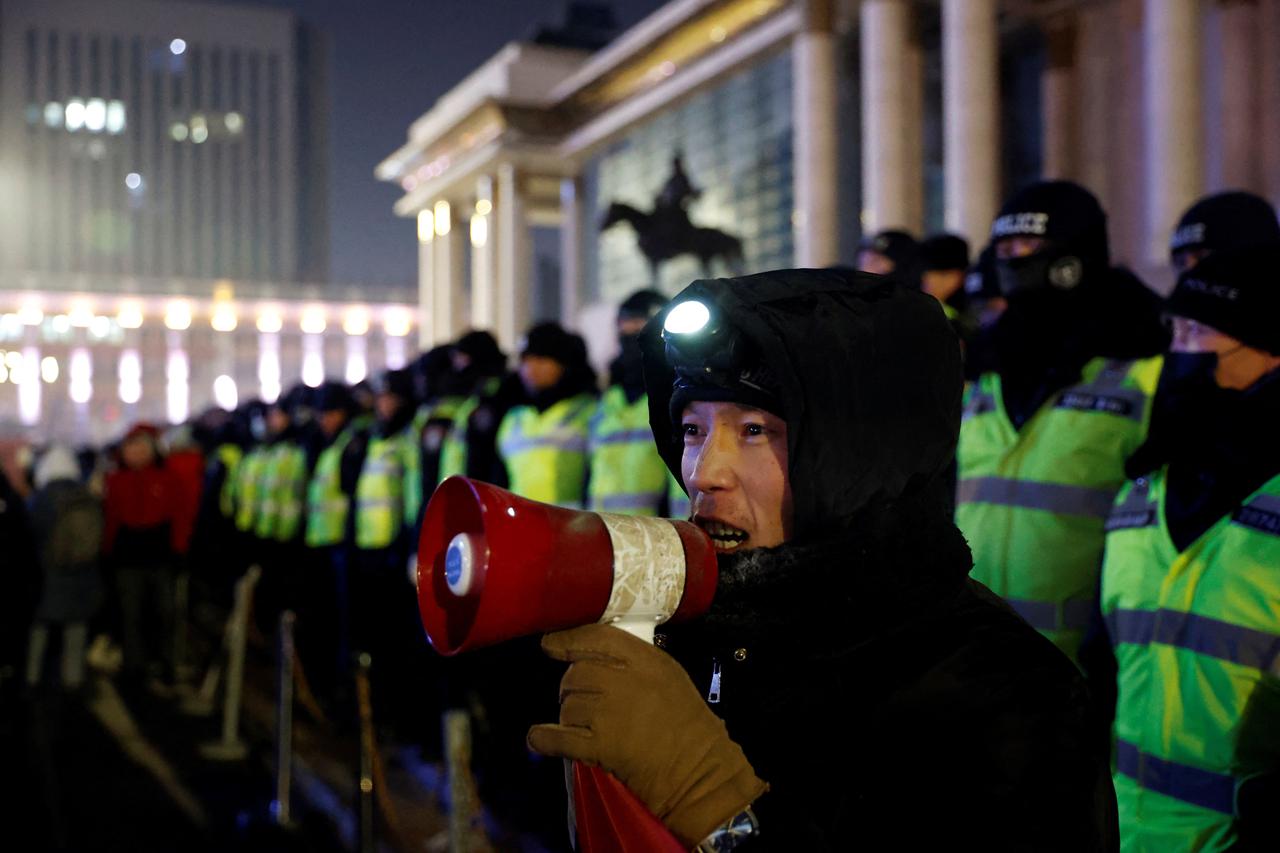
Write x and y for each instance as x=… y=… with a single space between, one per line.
x=648 y=573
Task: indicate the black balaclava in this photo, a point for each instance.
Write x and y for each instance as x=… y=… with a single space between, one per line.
x=432 y=374
x=399 y=382
x=866 y=373
x=1066 y=305
x=1225 y=222
x=627 y=370
x=485 y=360
x=551 y=340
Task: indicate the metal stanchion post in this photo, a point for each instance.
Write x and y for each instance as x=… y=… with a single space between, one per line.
x=229 y=747
x=365 y=793
x=284 y=722
x=465 y=833
x=181 y=613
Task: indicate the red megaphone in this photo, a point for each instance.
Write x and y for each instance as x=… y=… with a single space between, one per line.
x=493 y=566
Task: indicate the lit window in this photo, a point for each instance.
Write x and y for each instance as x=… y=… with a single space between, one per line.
x=395 y=353
x=224 y=393
x=234 y=122
x=53 y=114
x=270 y=322
x=425 y=227
x=199 y=129
x=224 y=318
x=178 y=316
x=484 y=207
x=129 y=316
x=81 y=374
x=60 y=324
x=178 y=131
x=31 y=315
x=312 y=360
x=479 y=230
x=13 y=361
x=397 y=322
x=177 y=371
x=49 y=369
x=357 y=363
x=115 y=117
x=356 y=322
x=313 y=320
x=75 y=114
x=95 y=115
x=130 y=375
x=28 y=379
x=177 y=47
x=100 y=326
x=133 y=181
x=269 y=367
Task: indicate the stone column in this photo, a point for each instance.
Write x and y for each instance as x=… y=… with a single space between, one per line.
x=1172 y=119
x=815 y=220
x=484 y=264
x=426 y=278
x=572 y=222
x=971 y=116
x=1060 y=100
x=1239 y=104
x=515 y=259
x=888 y=175
x=450 y=244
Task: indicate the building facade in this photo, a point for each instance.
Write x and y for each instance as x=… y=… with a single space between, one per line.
x=802 y=124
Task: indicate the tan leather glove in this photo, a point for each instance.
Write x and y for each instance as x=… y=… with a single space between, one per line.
x=630 y=708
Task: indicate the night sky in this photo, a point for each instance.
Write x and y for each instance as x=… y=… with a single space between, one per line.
x=390 y=60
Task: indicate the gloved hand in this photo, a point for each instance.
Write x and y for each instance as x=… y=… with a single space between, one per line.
x=630 y=708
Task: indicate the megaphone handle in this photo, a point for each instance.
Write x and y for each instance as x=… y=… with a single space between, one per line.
x=611 y=819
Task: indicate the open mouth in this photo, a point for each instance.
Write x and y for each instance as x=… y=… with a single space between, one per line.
x=725 y=537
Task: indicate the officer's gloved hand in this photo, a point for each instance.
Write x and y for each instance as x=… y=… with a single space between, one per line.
x=630 y=708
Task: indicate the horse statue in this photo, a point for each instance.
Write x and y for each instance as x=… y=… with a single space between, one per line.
x=666 y=232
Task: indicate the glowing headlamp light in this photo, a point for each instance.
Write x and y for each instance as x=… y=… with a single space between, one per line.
x=698 y=343
x=687 y=318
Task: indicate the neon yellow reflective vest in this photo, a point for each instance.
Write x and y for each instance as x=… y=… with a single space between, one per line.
x=627 y=474
x=327 y=504
x=283 y=490
x=230 y=456
x=431 y=423
x=678 y=505
x=1032 y=503
x=382 y=506
x=248 y=486
x=453 y=453
x=1197 y=644
x=546 y=453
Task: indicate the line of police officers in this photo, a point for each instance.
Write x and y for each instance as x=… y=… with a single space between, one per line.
x=1119 y=486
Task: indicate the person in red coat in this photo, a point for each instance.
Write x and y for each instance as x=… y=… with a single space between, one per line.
x=143 y=512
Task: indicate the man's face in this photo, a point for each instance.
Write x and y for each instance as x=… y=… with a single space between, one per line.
x=629 y=326
x=735 y=466
x=874 y=262
x=942 y=284
x=1238 y=366
x=332 y=421
x=138 y=452
x=538 y=373
x=277 y=420
x=387 y=405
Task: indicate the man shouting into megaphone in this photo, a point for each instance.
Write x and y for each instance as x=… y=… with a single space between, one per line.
x=851 y=687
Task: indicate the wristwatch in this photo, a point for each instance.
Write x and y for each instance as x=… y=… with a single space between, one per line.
x=741 y=827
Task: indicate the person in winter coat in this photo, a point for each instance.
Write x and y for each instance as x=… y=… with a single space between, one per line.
x=143 y=512
x=67 y=522
x=21 y=574
x=851 y=688
x=1063 y=397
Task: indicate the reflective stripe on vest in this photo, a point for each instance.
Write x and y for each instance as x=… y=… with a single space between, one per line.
x=1050 y=497
x=627 y=474
x=546 y=452
x=1033 y=502
x=1197 y=645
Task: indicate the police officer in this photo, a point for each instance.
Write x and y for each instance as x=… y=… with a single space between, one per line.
x=469 y=447
x=439 y=398
x=1047 y=429
x=1227 y=220
x=1190 y=583
x=544 y=442
x=323 y=632
x=627 y=474
x=945 y=259
x=384 y=609
x=892 y=253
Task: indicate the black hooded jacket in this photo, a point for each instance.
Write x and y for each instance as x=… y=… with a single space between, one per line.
x=890 y=702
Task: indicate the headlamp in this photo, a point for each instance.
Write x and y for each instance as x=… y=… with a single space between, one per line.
x=700 y=345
